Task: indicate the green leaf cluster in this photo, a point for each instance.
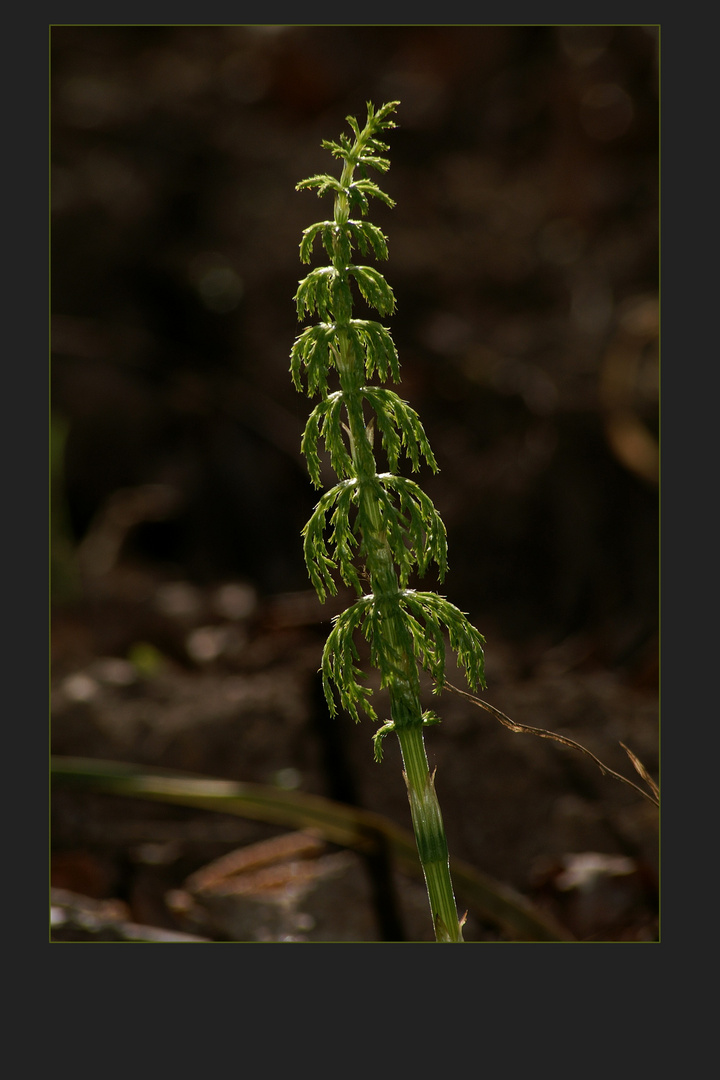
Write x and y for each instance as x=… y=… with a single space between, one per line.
x=326 y=291
x=361 y=234
x=410 y=524
x=419 y=628
x=371 y=527
x=315 y=353
x=400 y=430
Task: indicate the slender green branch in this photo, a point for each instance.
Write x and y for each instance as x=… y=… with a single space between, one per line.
x=384 y=521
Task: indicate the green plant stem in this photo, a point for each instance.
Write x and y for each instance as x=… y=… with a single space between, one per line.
x=406 y=709
x=429 y=834
x=396 y=530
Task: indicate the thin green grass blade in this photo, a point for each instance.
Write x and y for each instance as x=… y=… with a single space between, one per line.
x=345 y=826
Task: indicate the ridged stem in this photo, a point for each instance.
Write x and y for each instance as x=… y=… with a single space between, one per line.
x=429 y=834
x=406 y=709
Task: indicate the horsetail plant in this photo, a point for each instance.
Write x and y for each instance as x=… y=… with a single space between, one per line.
x=383 y=520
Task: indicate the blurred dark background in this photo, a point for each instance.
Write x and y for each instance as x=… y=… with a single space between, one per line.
x=523 y=253
x=524 y=258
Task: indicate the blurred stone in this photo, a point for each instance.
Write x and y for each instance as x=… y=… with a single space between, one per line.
x=286 y=889
x=597 y=895
x=77 y=918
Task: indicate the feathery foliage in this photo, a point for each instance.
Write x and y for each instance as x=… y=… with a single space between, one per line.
x=374 y=528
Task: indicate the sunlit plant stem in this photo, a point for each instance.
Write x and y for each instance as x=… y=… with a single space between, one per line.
x=383 y=521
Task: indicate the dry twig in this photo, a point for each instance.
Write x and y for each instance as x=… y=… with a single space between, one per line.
x=653 y=796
